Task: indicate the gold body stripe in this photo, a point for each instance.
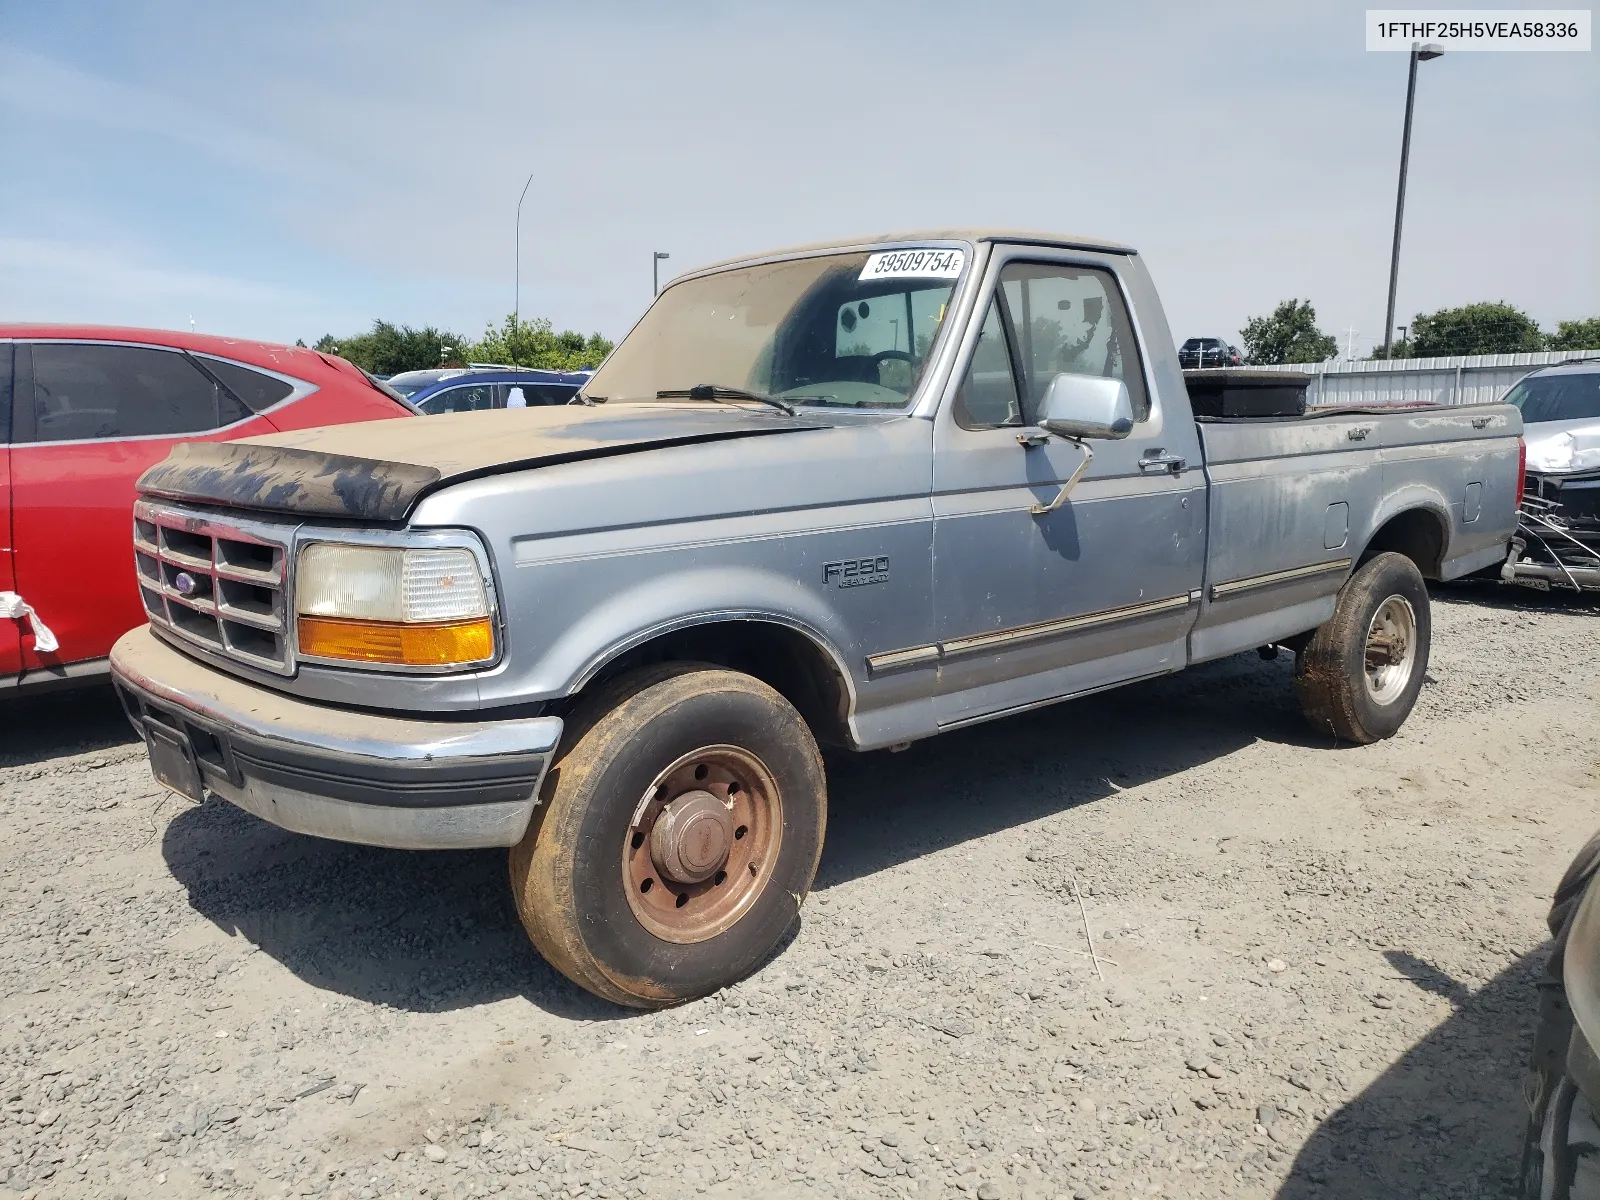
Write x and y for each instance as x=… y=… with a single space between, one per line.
x=917 y=656
x=1233 y=587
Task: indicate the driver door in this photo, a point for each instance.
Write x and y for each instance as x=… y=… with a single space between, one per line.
x=1031 y=607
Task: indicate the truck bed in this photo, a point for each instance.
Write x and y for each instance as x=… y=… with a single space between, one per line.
x=1292 y=499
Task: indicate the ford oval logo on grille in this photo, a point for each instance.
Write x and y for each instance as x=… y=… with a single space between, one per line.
x=185 y=583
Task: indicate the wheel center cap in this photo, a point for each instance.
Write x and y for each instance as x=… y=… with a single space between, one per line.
x=691 y=838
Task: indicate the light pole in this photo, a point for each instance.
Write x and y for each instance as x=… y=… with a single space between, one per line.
x=516 y=299
x=1418 y=54
x=655 y=271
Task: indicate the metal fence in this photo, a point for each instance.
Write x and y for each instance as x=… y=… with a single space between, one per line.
x=1465 y=379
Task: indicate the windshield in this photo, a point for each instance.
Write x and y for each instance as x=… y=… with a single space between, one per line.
x=1566 y=397
x=851 y=330
x=412 y=382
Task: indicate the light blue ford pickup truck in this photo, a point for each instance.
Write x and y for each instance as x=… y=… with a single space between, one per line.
x=857 y=493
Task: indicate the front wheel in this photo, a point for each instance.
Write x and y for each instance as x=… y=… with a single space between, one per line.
x=1359 y=674
x=678 y=832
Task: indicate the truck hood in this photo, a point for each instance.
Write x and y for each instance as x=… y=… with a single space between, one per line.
x=1562 y=447
x=378 y=470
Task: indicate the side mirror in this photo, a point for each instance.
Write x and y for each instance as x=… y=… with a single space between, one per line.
x=1087 y=406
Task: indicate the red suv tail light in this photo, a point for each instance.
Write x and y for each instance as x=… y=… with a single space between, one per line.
x=1522 y=470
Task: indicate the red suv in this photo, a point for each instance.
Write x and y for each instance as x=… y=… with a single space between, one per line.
x=83 y=412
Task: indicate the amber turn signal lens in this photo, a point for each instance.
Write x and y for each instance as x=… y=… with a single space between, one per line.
x=447 y=643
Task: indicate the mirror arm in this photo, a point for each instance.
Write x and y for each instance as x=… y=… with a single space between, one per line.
x=1039 y=510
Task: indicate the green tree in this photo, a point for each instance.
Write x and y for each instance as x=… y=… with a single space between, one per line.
x=1399 y=348
x=1289 y=335
x=388 y=349
x=534 y=343
x=1486 y=328
x=1576 y=335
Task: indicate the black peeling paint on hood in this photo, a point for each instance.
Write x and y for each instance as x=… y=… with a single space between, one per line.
x=288 y=479
x=379 y=470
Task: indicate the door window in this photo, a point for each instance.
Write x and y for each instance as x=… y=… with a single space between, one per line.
x=5 y=392
x=988 y=396
x=84 y=392
x=1070 y=319
x=550 y=393
x=467 y=398
x=258 y=391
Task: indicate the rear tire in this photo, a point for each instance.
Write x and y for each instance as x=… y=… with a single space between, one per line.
x=678 y=832
x=1359 y=674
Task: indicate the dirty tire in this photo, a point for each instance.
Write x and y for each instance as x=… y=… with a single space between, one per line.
x=1331 y=671
x=1559 y=1160
x=567 y=873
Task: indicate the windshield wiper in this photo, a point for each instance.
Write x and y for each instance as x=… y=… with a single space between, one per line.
x=715 y=391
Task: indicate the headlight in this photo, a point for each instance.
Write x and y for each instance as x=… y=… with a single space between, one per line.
x=413 y=607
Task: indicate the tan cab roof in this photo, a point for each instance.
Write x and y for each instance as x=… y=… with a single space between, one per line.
x=1032 y=237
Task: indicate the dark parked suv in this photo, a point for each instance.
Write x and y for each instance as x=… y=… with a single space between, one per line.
x=1208 y=352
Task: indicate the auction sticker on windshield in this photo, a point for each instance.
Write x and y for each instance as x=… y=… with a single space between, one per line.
x=914 y=264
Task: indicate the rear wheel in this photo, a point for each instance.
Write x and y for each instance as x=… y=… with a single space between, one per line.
x=1359 y=674
x=678 y=832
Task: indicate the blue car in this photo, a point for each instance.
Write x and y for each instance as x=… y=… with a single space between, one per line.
x=471 y=389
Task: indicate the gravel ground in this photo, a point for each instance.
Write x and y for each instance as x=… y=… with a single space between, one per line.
x=1317 y=967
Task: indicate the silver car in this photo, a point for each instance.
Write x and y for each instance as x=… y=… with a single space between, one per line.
x=1559 y=542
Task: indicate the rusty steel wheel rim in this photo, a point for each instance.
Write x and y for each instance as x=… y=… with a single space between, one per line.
x=702 y=843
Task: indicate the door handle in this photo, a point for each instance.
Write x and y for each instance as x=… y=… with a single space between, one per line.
x=1156 y=461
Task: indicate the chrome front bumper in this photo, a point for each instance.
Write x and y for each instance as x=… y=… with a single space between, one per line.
x=335 y=772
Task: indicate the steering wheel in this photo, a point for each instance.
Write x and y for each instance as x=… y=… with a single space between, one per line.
x=900 y=354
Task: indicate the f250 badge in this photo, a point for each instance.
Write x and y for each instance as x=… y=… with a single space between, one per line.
x=856 y=572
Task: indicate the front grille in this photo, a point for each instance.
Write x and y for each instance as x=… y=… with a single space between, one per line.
x=1576 y=497
x=218 y=584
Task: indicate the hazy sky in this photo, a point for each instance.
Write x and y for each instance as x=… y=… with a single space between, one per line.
x=284 y=170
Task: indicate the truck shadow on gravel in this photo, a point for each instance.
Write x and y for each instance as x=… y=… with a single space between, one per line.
x=1446 y=1118
x=436 y=931
x=886 y=809
x=422 y=931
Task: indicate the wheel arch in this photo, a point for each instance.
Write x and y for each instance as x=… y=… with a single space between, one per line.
x=788 y=655
x=1417 y=527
